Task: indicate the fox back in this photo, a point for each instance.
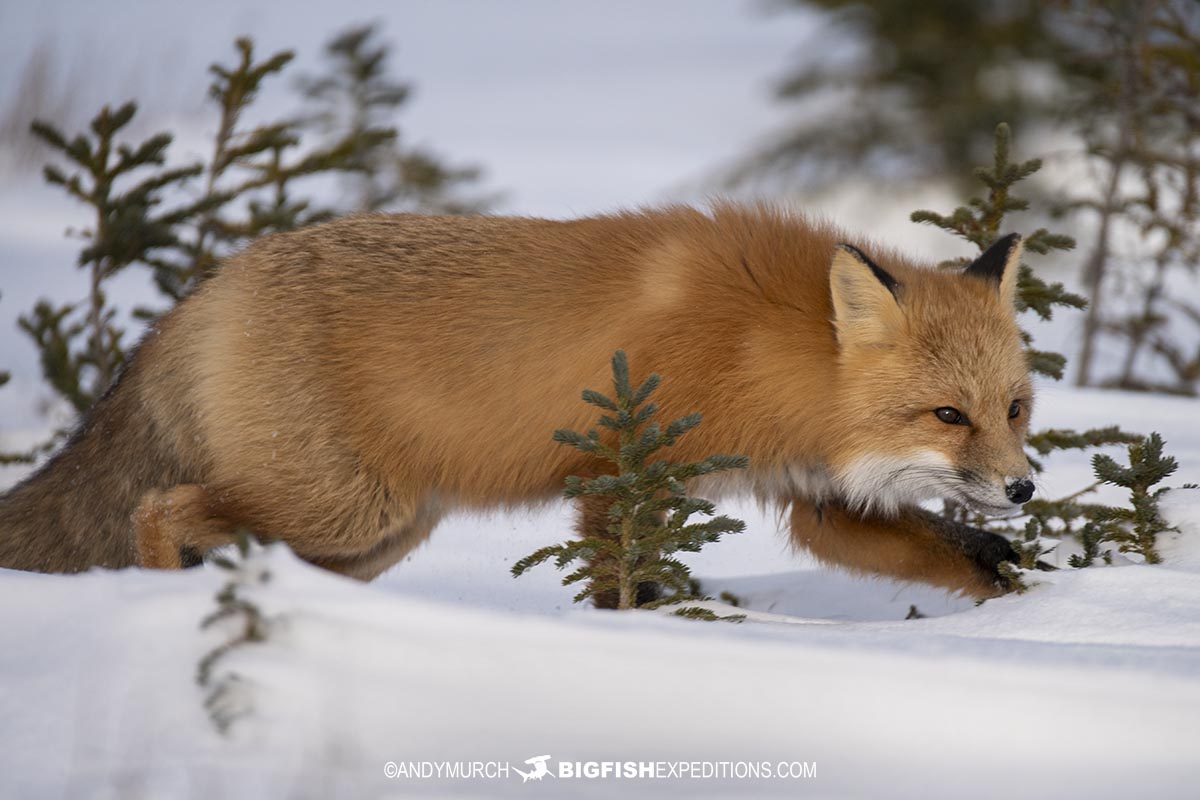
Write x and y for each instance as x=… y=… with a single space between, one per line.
x=342 y=387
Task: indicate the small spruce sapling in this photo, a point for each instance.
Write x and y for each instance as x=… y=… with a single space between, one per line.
x=19 y=457
x=356 y=101
x=980 y=221
x=80 y=344
x=650 y=512
x=1135 y=529
x=1090 y=538
x=247 y=188
x=226 y=699
x=1030 y=545
x=249 y=178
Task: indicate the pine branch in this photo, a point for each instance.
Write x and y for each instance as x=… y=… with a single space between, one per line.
x=1051 y=439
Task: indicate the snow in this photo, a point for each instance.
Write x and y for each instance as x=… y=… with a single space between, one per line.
x=1089 y=684
x=354 y=676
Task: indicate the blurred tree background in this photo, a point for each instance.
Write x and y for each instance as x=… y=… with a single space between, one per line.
x=899 y=93
x=178 y=221
x=1111 y=88
x=356 y=101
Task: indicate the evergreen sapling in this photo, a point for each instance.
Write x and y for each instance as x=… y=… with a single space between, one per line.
x=651 y=511
x=80 y=344
x=247 y=188
x=246 y=169
x=356 y=101
x=1135 y=529
x=226 y=699
x=979 y=222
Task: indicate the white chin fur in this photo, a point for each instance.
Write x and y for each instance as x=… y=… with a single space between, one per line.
x=882 y=484
x=994 y=504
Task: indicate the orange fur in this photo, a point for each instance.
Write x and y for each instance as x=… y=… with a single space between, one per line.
x=341 y=387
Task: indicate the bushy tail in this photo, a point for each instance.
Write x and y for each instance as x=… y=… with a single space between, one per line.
x=76 y=511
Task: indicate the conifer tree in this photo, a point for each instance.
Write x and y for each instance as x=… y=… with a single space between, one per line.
x=1135 y=529
x=649 y=518
x=225 y=700
x=1090 y=539
x=248 y=188
x=1137 y=115
x=10 y=457
x=356 y=102
x=915 y=87
x=81 y=343
x=252 y=165
x=979 y=222
x=233 y=90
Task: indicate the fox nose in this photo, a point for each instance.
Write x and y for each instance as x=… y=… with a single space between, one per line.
x=1020 y=491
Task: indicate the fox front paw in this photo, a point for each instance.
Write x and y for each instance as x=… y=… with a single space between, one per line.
x=992 y=550
x=986 y=552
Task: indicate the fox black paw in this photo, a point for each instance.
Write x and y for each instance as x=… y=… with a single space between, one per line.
x=646 y=593
x=989 y=551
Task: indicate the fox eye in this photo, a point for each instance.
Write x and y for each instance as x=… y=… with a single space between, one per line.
x=950 y=416
x=1014 y=410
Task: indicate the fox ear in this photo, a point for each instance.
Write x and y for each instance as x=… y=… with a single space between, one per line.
x=1000 y=264
x=865 y=310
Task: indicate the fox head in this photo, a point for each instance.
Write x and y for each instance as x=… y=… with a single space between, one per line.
x=933 y=394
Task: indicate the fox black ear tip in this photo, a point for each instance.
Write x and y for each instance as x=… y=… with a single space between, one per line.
x=879 y=272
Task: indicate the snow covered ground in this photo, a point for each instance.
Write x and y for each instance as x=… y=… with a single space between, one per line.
x=1089 y=685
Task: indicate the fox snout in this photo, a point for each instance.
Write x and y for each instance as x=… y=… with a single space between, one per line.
x=1000 y=495
x=884 y=483
x=1019 y=491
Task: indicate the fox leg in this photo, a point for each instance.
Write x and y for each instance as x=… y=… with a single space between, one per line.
x=916 y=545
x=169 y=521
x=387 y=552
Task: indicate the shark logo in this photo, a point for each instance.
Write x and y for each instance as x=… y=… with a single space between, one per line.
x=539 y=770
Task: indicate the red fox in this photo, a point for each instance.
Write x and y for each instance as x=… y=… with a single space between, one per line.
x=342 y=387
